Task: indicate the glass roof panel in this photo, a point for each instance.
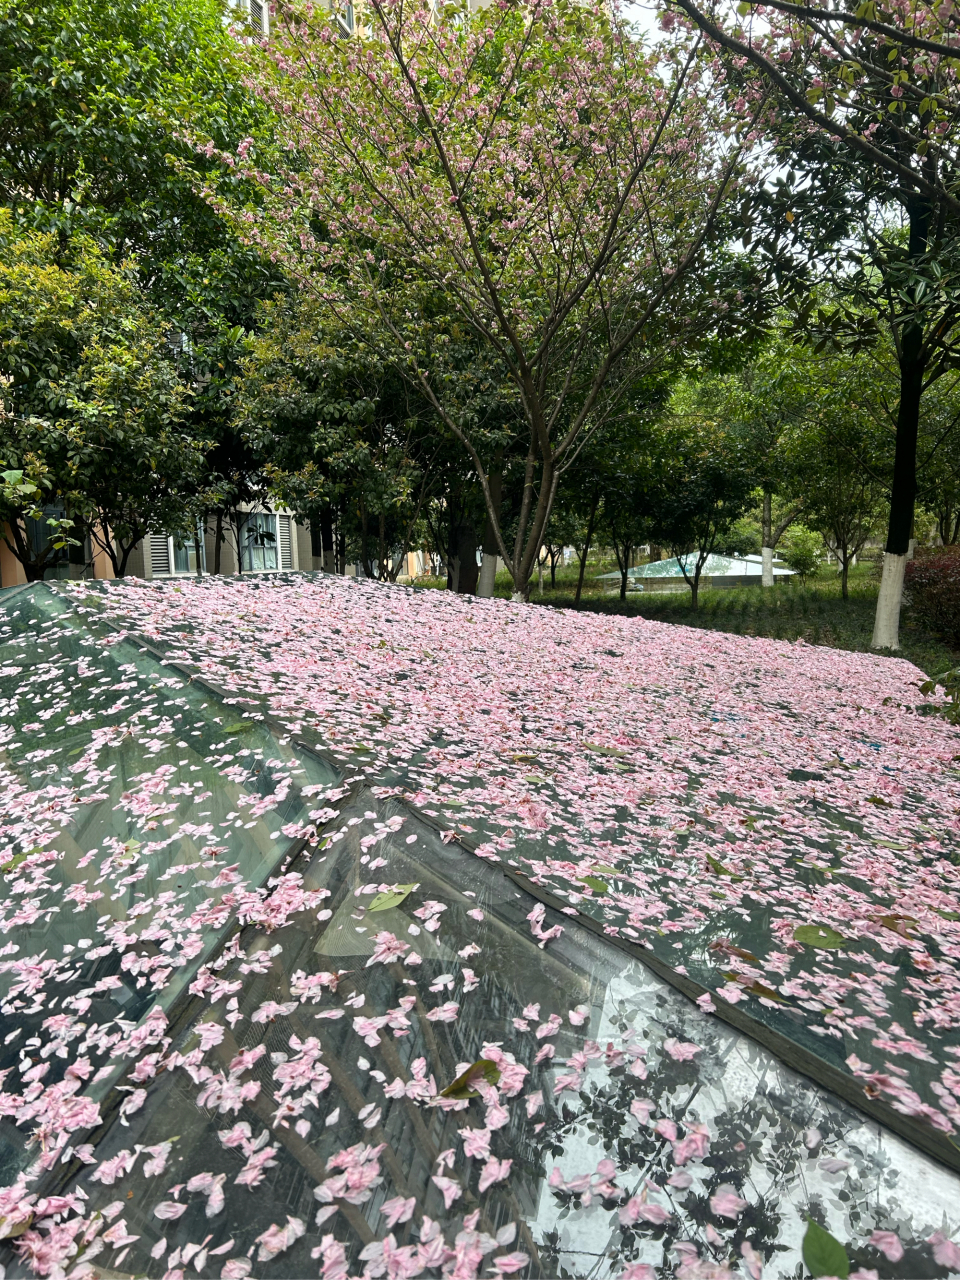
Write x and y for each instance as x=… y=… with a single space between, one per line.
x=652 y=815
x=133 y=803
x=310 y=1083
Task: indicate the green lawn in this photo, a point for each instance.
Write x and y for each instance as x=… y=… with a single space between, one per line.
x=815 y=612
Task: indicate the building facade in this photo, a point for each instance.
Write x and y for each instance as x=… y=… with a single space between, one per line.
x=251 y=541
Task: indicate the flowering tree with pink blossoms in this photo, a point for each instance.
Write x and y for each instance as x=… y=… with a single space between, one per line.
x=534 y=179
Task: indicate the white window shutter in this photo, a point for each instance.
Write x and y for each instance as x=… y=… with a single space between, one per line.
x=159 y=554
x=285 y=538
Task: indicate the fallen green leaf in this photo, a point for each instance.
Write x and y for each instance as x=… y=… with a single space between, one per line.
x=595 y=883
x=818 y=935
x=15 y=1229
x=719 y=869
x=391 y=897
x=242 y=726
x=756 y=988
x=462 y=1087
x=822 y=1254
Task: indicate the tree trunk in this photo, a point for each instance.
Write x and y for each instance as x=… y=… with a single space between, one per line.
x=586 y=546
x=341 y=545
x=487 y=581
x=383 y=571
x=198 y=547
x=100 y=535
x=238 y=520
x=466 y=546
x=32 y=570
x=121 y=564
x=217 y=542
x=695 y=591
x=328 y=560
x=886 y=627
x=364 y=550
x=488 y=568
x=844 y=571
x=766 y=550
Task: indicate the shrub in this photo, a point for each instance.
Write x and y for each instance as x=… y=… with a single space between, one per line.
x=801 y=550
x=933 y=581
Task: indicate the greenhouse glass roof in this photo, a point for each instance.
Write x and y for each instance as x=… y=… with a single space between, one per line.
x=351 y=930
x=715 y=566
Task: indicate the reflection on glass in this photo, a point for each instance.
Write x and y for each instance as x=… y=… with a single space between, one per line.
x=310 y=1087
x=185 y=553
x=258 y=540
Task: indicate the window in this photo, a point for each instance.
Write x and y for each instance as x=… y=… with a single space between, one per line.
x=39 y=538
x=347 y=18
x=285 y=536
x=258 y=540
x=159 y=555
x=167 y=555
x=258 y=17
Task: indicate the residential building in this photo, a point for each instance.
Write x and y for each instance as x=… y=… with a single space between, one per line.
x=254 y=541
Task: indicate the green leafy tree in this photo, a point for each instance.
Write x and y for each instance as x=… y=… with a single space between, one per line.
x=96 y=424
x=92 y=98
x=96 y=103
x=342 y=433
x=836 y=460
x=705 y=474
x=866 y=123
x=767 y=396
x=803 y=550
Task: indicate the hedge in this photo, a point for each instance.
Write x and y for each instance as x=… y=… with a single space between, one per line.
x=933 y=581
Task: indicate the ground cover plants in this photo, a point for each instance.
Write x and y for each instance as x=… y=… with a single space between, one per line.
x=814 y=613
x=772 y=818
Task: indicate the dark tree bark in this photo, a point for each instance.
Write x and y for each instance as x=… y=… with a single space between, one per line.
x=327 y=556
x=489 y=546
x=586 y=546
x=217 y=542
x=903 y=492
x=554 y=553
x=466 y=549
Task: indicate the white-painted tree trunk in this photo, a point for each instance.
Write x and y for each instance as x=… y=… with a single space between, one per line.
x=766 y=576
x=488 y=576
x=886 y=627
